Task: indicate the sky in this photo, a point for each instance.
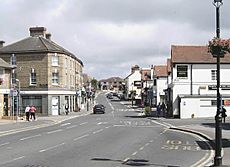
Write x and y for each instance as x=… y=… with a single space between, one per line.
x=110 y=36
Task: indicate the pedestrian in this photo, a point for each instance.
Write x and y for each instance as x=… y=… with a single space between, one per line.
x=223 y=114
x=158 y=110
x=27 y=112
x=32 y=112
x=66 y=108
x=163 y=108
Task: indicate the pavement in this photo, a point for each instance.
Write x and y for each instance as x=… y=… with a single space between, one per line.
x=203 y=127
x=15 y=126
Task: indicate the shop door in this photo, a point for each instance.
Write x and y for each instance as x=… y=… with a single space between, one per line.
x=55 y=105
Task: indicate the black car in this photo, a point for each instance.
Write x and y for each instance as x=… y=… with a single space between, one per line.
x=99 y=108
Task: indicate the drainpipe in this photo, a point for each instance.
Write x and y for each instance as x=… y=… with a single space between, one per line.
x=191 y=83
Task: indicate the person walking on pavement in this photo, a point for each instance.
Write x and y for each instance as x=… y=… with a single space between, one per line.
x=223 y=114
x=66 y=108
x=27 y=112
x=32 y=112
x=163 y=108
x=158 y=110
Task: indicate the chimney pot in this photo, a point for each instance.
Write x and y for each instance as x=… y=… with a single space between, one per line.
x=2 y=44
x=48 y=36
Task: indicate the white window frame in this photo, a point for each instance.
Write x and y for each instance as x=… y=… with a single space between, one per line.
x=33 y=77
x=55 y=60
x=55 y=78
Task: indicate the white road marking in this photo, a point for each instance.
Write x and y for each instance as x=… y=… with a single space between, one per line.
x=3 y=144
x=107 y=127
x=142 y=148
x=73 y=126
x=65 y=124
x=83 y=123
x=80 y=137
x=15 y=159
x=30 y=137
x=100 y=130
x=134 y=153
x=55 y=131
x=53 y=147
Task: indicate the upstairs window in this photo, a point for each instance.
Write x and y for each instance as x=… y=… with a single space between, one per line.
x=33 y=77
x=182 y=71
x=213 y=74
x=55 y=78
x=55 y=60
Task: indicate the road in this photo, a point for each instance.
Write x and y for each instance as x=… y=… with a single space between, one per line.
x=117 y=138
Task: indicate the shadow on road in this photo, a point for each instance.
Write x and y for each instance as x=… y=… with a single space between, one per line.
x=225 y=126
x=133 y=162
x=203 y=144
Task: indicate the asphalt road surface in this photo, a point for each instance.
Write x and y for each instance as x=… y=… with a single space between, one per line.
x=118 y=138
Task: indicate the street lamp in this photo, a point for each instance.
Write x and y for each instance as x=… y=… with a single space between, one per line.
x=218 y=119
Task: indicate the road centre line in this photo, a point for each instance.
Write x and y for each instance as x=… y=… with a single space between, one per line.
x=50 y=148
x=83 y=123
x=65 y=124
x=80 y=137
x=55 y=131
x=3 y=144
x=142 y=148
x=100 y=130
x=15 y=159
x=134 y=153
x=73 y=126
x=30 y=137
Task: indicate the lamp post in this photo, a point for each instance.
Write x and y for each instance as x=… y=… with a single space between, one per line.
x=18 y=99
x=218 y=119
x=132 y=94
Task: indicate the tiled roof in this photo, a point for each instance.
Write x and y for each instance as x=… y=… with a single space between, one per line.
x=36 y=45
x=160 y=71
x=4 y=64
x=145 y=74
x=194 y=54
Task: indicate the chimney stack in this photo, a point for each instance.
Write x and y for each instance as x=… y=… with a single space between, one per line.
x=135 y=68
x=1 y=43
x=48 y=36
x=37 y=31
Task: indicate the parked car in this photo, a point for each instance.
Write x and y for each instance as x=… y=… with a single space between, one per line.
x=99 y=108
x=109 y=96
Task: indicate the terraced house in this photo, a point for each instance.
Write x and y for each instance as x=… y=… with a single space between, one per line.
x=49 y=75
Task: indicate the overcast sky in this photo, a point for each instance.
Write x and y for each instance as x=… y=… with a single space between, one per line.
x=110 y=36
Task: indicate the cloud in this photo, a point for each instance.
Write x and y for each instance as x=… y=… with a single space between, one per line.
x=110 y=36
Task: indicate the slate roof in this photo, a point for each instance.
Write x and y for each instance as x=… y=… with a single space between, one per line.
x=112 y=79
x=4 y=64
x=36 y=44
x=194 y=54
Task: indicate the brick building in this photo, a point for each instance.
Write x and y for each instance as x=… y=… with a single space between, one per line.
x=49 y=75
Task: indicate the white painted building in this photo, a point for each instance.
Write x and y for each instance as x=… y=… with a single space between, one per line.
x=160 y=82
x=133 y=83
x=192 y=90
